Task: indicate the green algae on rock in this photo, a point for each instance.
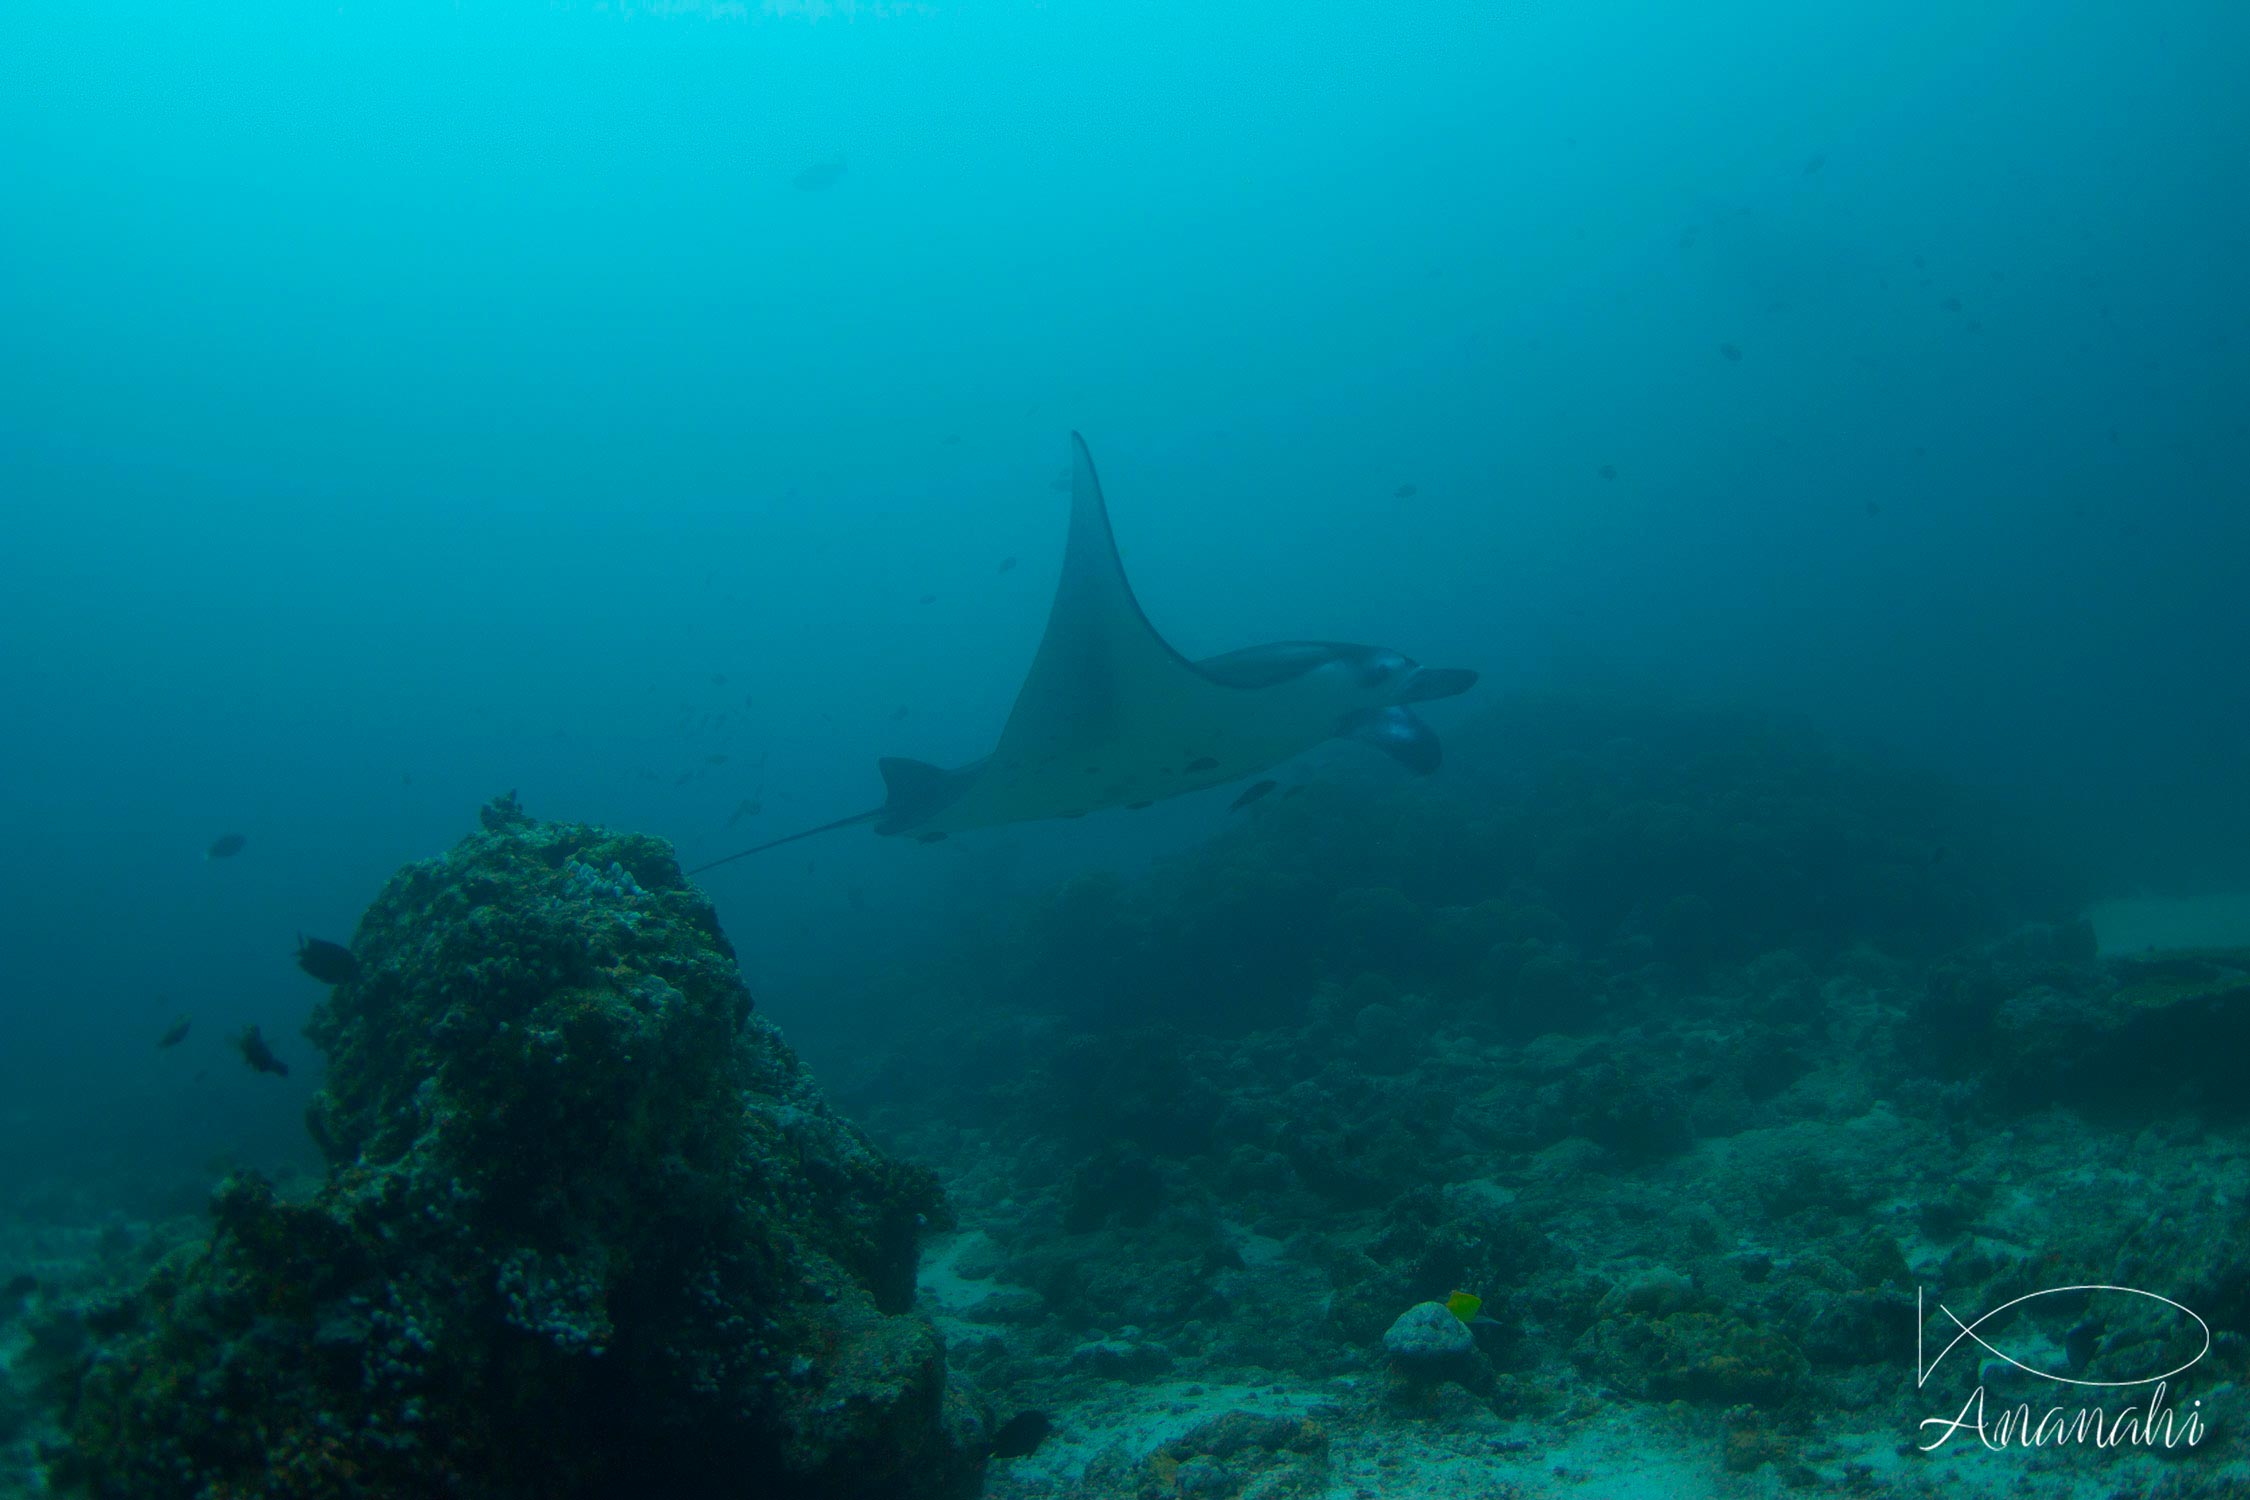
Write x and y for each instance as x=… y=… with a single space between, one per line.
x=588 y=1229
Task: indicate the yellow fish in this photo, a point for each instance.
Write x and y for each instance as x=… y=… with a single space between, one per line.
x=1464 y=1305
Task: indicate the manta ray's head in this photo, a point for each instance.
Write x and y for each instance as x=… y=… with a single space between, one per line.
x=1381 y=682
x=1389 y=677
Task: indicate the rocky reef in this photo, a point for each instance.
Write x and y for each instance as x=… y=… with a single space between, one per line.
x=587 y=1229
x=1695 y=1052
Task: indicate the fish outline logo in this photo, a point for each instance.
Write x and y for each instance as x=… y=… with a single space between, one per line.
x=1923 y=1371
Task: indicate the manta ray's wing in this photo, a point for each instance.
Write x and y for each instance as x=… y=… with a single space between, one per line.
x=1110 y=715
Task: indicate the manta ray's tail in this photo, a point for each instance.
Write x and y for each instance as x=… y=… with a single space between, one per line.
x=913 y=790
x=790 y=839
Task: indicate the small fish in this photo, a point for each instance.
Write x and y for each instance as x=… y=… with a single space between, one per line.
x=225 y=846
x=1814 y=164
x=1202 y=763
x=1732 y=352
x=718 y=679
x=1007 y=564
x=748 y=807
x=1874 y=507
x=953 y=440
x=1403 y=492
x=715 y=758
x=1021 y=1435
x=175 y=1033
x=1468 y=1307
x=900 y=712
x=818 y=177
x=1252 y=793
x=330 y=963
x=927 y=599
x=1608 y=471
x=258 y=1055
x=1951 y=304
x=21 y=1286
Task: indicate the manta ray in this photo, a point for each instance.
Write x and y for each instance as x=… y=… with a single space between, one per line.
x=1111 y=715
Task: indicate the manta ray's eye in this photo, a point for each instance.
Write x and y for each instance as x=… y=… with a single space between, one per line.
x=1378 y=670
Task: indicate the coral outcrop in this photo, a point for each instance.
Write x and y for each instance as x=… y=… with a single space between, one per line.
x=588 y=1229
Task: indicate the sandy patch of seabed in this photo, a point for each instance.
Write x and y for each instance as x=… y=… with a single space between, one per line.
x=2136 y=925
x=1618 y=1453
x=1592 y=1449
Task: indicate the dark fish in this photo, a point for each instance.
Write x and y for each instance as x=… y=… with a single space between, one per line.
x=819 y=177
x=225 y=846
x=715 y=758
x=1952 y=304
x=1202 y=763
x=258 y=1055
x=937 y=837
x=1874 y=507
x=952 y=439
x=718 y=679
x=1007 y=564
x=330 y=963
x=1608 y=471
x=1252 y=793
x=927 y=599
x=1293 y=791
x=1730 y=351
x=1021 y=1435
x=175 y=1033
x=746 y=701
x=1815 y=164
x=748 y=807
x=899 y=712
x=1403 y=492
x=22 y=1285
